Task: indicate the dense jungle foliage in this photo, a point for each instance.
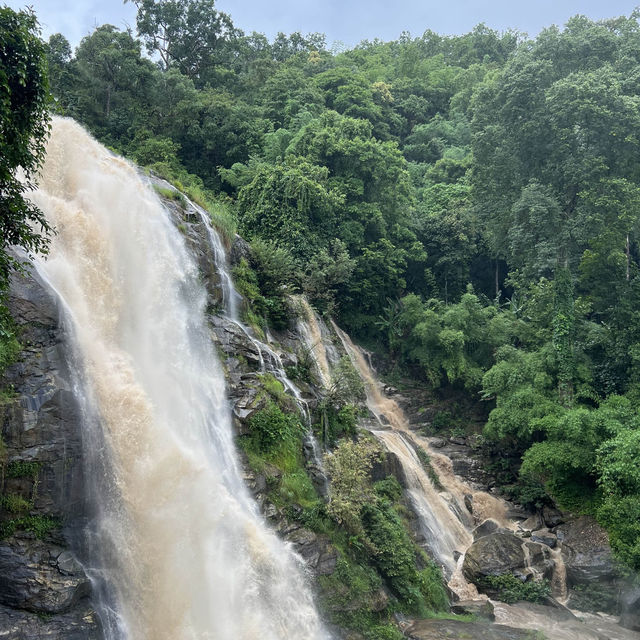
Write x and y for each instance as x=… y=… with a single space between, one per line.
x=470 y=204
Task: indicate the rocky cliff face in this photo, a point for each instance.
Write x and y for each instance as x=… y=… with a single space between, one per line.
x=43 y=587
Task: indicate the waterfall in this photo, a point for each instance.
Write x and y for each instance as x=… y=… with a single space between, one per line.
x=177 y=544
x=308 y=327
x=441 y=513
x=444 y=520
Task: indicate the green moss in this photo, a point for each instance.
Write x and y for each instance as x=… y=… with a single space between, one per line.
x=14 y=503
x=296 y=487
x=389 y=488
x=190 y=185
x=349 y=595
x=9 y=345
x=23 y=469
x=274 y=432
x=7 y=394
x=40 y=526
x=396 y=557
x=170 y=194
x=425 y=461
x=274 y=388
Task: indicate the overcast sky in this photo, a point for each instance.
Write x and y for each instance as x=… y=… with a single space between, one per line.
x=347 y=21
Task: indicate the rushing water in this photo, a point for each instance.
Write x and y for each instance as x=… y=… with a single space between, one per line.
x=177 y=542
x=309 y=328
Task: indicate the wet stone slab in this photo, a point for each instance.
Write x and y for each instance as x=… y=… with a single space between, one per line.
x=458 y=630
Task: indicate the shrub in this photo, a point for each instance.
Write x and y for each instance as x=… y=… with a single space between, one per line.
x=511 y=589
x=38 y=525
x=14 y=503
x=349 y=466
x=271 y=426
x=9 y=345
x=395 y=556
x=23 y=469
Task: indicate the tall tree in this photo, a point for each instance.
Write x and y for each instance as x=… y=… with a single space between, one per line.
x=186 y=34
x=24 y=126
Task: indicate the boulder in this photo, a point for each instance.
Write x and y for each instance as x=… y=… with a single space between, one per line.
x=586 y=552
x=484 y=529
x=551 y=516
x=239 y=249
x=479 y=608
x=544 y=536
x=503 y=552
x=390 y=465
x=40 y=577
x=532 y=523
x=318 y=553
x=449 y=629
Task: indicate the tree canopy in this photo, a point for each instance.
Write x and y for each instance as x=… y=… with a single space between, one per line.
x=24 y=122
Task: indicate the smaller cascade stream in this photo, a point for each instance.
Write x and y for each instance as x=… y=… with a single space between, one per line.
x=309 y=328
x=270 y=361
x=446 y=523
x=313 y=331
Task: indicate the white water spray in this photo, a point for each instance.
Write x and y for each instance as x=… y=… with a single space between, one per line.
x=183 y=551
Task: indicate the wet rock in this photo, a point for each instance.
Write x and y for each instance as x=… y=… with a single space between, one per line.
x=503 y=552
x=41 y=429
x=468 y=502
x=544 y=536
x=630 y=617
x=552 y=611
x=451 y=629
x=270 y=511
x=484 y=529
x=461 y=440
x=388 y=466
x=239 y=249
x=480 y=608
x=40 y=577
x=538 y=562
x=552 y=517
x=518 y=513
x=316 y=550
x=245 y=406
x=79 y=624
x=532 y=523
x=464 y=462
x=586 y=552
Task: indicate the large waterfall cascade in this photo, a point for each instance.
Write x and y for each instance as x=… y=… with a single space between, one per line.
x=177 y=542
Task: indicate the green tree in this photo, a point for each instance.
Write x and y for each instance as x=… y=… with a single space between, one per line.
x=112 y=94
x=24 y=127
x=185 y=34
x=290 y=203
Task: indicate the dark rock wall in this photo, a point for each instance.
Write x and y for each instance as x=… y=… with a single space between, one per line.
x=43 y=587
